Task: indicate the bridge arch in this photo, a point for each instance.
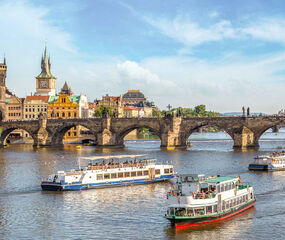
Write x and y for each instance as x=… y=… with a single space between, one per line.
x=124 y=132
x=190 y=129
x=258 y=133
x=6 y=132
x=60 y=132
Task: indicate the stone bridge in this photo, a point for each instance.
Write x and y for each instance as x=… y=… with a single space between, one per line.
x=172 y=131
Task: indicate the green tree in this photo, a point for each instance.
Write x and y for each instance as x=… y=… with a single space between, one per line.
x=200 y=110
x=156 y=112
x=99 y=112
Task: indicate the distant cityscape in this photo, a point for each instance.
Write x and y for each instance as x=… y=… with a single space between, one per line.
x=65 y=103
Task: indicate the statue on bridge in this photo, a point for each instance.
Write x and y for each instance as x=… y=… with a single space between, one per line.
x=247 y=112
x=243 y=111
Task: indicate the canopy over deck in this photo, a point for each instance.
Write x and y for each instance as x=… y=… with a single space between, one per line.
x=112 y=156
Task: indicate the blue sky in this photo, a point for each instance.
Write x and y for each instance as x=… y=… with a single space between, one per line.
x=225 y=54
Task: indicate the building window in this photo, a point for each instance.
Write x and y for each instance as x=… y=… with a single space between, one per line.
x=63 y=114
x=75 y=115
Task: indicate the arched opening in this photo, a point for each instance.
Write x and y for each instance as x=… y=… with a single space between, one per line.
x=16 y=136
x=140 y=135
x=74 y=133
x=209 y=136
x=269 y=139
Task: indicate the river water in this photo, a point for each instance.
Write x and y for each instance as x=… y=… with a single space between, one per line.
x=133 y=212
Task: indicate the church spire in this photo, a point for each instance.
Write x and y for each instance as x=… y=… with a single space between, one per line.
x=4 y=59
x=45 y=66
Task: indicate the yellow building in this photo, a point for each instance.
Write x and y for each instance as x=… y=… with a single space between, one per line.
x=64 y=106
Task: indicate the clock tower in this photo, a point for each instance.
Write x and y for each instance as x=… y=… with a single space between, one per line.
x=45 y=83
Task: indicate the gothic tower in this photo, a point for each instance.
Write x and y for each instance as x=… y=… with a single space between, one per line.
x=3 y=70
x=45 y=83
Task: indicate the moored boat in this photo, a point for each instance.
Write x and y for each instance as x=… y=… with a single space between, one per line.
x=198 y=200
x=272 y=162
x=108 y=171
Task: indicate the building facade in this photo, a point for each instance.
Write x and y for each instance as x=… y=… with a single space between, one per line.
x=111 y=101
x=67 y=105
x=14 y=108
x=34 y=105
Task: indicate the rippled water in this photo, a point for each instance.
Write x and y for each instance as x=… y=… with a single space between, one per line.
x=133 y=212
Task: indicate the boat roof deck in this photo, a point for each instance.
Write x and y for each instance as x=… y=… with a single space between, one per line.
x=219 y=179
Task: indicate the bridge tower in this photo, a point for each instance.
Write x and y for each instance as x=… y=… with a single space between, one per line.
x=3 y=71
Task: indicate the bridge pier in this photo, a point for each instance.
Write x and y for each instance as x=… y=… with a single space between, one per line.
x=245 y=139
x=173 y=138
x=108 y=139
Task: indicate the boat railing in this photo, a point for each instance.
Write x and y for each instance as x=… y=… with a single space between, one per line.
x=115 y=165
x=203 y=195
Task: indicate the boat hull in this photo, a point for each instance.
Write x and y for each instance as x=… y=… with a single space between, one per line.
x=51 y=186
x=264 y=167
x=188 y=222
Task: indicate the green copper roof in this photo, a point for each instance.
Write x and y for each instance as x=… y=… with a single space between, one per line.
x=45 y=65
x=220 y=179
x=74 y=99
x=7 y=100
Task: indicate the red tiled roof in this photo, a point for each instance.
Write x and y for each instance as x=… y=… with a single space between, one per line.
x=43 y=98
x=131 y=108
x=92 y=106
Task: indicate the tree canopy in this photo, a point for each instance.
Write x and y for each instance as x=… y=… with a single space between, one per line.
x=99 y=112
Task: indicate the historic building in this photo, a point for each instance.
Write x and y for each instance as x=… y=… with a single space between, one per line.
x=14 y=108
x=34 y=105
x=3 y=72
x=132 y=98
x=135 y=104
x=66 y=105
x=111 y=101
x=45 y=82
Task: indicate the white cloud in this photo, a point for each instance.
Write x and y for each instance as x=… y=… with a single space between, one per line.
x=191 y=33
x=269 y=29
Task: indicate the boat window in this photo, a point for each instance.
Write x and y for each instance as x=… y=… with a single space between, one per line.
x=171 y=211
x=120 y=175
x=157 y=171
x=127 y=174
x=230 y=204
x=215 y=208
x=218 y=188
x=222 y=187
x=190 y=212
x=139 y=173
x=133 y=174
x=166 y=170
x=227 y=204
x=106 y=176
x=233 y=185
x=208 y=209
x=145 y=173
x=180 y=212
x=113 y=175
x=99 y=176
x=171 y=170
x=199 y=211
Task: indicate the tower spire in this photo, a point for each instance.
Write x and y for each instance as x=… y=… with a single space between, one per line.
x=4 y=59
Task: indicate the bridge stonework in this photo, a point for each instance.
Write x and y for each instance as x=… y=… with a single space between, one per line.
x=172 y=131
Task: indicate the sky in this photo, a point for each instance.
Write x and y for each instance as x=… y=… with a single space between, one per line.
x=224 y=54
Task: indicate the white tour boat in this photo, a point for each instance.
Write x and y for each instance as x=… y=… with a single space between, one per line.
x=272 y=162
x=108 y=171
x=197 y=199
